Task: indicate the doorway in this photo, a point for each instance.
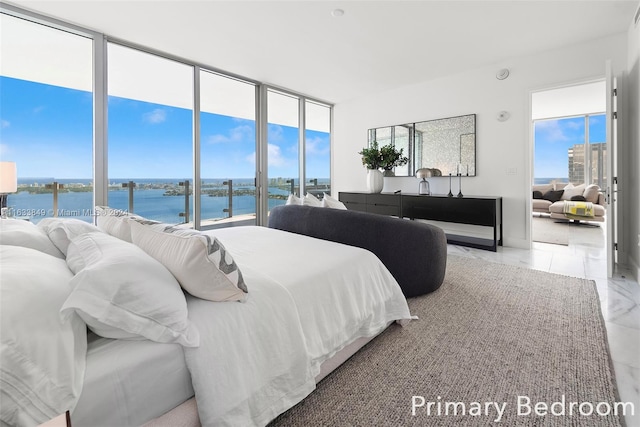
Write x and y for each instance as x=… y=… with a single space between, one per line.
x=569 y=174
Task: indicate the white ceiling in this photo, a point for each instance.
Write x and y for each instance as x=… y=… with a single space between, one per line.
x=375 y=46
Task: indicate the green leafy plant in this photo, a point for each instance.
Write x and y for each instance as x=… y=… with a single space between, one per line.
x=371 y=156
x=392 y=157
x=386 y=157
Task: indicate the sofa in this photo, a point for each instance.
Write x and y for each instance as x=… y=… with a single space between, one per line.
x=551 y=199
x=415 y=253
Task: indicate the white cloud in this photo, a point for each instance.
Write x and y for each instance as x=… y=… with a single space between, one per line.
x=552 y=130
x=275 y=132
x=156 y=116
x=237 y=134
x=317 y=146
x=275 y=156
x=4 y=124
x=4 y=149
x=39 y=109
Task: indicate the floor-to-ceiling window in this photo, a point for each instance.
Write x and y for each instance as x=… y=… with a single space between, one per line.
x=282 y=146
x=227 y=150
x=150 y=121
x=155 y=136
x=46 y=118
x=570 y=149
x=317 y=148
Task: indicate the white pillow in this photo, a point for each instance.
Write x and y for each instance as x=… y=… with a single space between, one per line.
x=570 y=190
x=123 y=293
x=293 y=200
x=311 y=200
x=114 y=222
x=200 y=262
x=43 y=357
x=330 y=202
x=592 y=193
x=62 y=230
x=17 y=232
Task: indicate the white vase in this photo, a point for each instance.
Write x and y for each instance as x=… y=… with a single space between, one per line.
x=375 y=180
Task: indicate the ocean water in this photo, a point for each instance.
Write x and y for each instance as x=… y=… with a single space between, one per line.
x=548 y=180
x=149 y=203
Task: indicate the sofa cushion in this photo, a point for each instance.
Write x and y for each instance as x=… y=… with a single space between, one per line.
x=572 y=190
x=537 y=195
x=540 y=205
x=543 y=188
x=591 y=193
x=553 y=195
x=578 y=199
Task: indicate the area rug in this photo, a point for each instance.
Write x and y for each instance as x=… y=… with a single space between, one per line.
x=562 y=232
x=549 y=230
x=495 y=345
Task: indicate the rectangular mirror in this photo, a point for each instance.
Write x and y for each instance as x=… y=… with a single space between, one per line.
x=447 y=145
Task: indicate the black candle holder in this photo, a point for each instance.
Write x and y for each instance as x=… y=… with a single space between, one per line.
x=459 y=185
x=450 y=193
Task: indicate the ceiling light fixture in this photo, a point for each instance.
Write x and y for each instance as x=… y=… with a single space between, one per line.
x=337 y=12
x=502 y=74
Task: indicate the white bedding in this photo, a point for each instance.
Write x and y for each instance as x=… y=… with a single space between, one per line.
x=308 y=299
x=128 y=382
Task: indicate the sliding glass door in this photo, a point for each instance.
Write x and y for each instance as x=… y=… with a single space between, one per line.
x=317 y=148
x=47 y=119
x=227 y=151
x=282 y=147
x=150 y=153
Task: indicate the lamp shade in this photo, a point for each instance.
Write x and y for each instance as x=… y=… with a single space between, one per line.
x=8 y=177
x=424 y=173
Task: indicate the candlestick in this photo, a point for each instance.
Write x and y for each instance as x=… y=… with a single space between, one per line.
x=459 y=185
x=450 y=193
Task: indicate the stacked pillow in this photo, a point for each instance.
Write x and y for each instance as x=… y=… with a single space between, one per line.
x=121 y=292
x=62 y=231
x=311 y=200
x=16 y=232
x=199 y=261
x=115 y=222
x=42 y=362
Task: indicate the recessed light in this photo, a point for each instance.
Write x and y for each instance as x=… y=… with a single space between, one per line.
x=337 y=12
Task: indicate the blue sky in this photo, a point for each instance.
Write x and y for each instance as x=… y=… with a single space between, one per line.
x=47 y=130
x=553 y=138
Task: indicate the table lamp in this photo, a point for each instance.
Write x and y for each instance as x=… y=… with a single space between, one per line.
x=423 y=186
x=8 y=183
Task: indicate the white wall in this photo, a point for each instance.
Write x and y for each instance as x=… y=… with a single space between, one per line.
x=631 y=178
x=499 y=145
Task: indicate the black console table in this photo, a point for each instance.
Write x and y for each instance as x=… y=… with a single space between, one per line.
x=474 y=210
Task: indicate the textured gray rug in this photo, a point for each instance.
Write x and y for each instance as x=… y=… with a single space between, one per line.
x=491 y=333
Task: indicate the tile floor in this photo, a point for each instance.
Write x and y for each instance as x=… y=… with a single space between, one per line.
x=619 y=297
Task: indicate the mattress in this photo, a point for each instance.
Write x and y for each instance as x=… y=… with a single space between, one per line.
x=130 y=382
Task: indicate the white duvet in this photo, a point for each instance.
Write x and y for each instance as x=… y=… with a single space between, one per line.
x=308 y=299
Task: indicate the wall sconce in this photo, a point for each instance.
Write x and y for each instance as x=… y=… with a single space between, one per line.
x=8 y=183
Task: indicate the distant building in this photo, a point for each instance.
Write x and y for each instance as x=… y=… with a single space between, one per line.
x=598 y=161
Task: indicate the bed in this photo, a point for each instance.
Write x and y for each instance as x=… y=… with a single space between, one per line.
x=290 y=309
